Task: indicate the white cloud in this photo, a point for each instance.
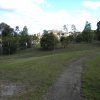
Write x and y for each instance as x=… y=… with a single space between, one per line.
x=39 y=1
x=20 y=5
x=48 y=5
x=91 y=4
x=26 y=12
x=29 y=13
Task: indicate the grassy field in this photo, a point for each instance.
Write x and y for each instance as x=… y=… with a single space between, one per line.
x=37 y=70
x=91 y=79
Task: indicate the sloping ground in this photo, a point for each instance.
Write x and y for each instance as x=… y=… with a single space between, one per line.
x=68 y=85
x=28 y=77
x=91 y=79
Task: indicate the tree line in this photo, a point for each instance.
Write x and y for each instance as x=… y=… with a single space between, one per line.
x=14 y=39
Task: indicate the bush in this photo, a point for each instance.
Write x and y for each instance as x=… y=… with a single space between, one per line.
x=48 y=41
x=9 y=45
x=25 y=42
x=79 y=38
x=87 y=36
x=98 y=35
x=64 y=41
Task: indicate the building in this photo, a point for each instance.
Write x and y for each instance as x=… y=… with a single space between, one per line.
x=59 y=33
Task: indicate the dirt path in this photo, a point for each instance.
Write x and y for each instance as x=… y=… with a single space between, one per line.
x=67 y=87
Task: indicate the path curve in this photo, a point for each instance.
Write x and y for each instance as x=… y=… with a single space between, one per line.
x=68 y=85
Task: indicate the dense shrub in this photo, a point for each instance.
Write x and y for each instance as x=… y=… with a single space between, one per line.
x=48 y=41
x=79 y=38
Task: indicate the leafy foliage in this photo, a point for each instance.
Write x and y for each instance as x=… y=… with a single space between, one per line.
x=87 y=34
x=65 y=41
x=25 y=40
x=98 y=31
x=35 y=40
x=11 y=40
x=48 y=41
x=8 y=39
x=9 y=45
x=79 y=38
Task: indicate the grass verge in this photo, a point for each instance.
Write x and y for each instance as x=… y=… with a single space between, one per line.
x=36 y=73
x=37 y=70
x=91 y=80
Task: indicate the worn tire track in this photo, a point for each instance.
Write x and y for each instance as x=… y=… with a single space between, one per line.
x=67 y=86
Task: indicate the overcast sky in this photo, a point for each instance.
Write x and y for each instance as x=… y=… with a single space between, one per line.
x=38 y=15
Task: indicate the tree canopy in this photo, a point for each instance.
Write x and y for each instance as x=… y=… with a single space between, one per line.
x=48 y=41
x=98 y=31
x=87 y=34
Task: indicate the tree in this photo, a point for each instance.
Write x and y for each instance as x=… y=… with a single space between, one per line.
x=48 y=41
x=25 y=40
x=65 y=28
x=79 y=38
x=9 y=45
x=35 y=39
x=6 y=30
x=98 y=31
x=16 y=31
x=3 y=26
x=87 y=33
x=64 y=41
x=8 y=39
x=73 y=27
x=87 y=26
x=25 y=31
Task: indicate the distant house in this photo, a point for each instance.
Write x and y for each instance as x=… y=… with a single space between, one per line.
x=59 y=33
x=35 y=39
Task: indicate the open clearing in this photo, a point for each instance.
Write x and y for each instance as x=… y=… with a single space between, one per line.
x=29 y=75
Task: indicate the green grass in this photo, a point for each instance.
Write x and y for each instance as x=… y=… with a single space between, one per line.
x=38 y=70
x=91 y=80
x=37 y=52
